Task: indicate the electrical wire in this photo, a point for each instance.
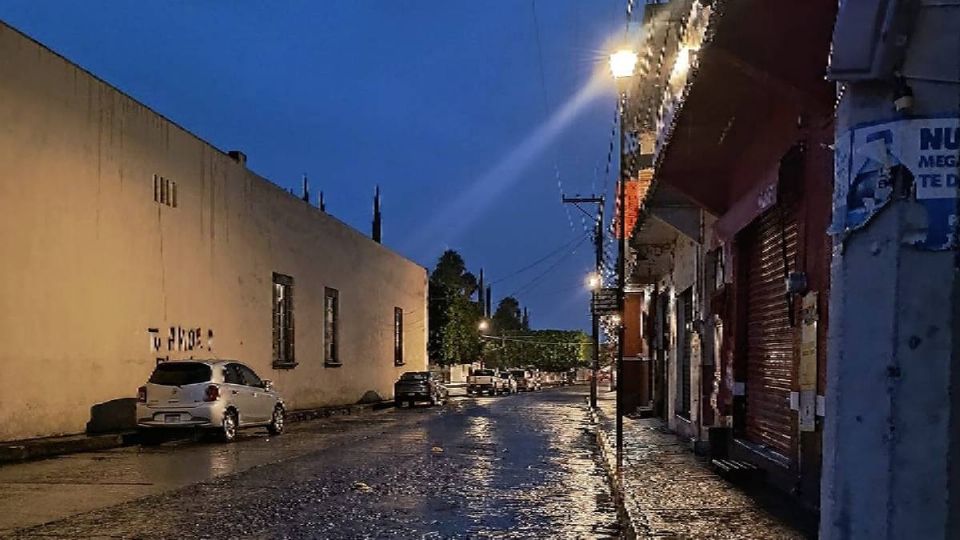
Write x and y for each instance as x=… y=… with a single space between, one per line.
x=552 y=252
x=516 y=339
x=536 y=281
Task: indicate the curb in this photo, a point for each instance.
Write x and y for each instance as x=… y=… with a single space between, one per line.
x=33 y=449
x=55 y=446
x=305 y=415
x=608 y=457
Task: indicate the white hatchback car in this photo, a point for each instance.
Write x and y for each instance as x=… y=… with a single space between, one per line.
x=220 y=395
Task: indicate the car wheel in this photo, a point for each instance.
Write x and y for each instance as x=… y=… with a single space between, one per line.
x=277 y=421
x=398 y=403
x=228 y=430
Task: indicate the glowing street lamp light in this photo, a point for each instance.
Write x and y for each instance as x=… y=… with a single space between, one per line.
x=593 y=281
x=483 y=326
x=623 y=63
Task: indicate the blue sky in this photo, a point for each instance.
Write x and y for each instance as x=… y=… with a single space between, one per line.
x=440 y=102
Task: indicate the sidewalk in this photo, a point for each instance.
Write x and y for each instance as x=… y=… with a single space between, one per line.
x=668 y=492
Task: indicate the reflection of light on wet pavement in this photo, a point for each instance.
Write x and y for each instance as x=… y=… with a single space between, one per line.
x=513 y=467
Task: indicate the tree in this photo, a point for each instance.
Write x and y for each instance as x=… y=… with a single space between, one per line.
x=453 y=314
x=506 y=319
x=547 y=350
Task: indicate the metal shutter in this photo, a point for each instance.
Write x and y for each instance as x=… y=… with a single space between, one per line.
x=770 y=336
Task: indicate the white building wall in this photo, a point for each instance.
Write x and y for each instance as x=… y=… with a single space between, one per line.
x=90 y=261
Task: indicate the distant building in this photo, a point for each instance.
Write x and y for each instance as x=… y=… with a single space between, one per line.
x=128 y=241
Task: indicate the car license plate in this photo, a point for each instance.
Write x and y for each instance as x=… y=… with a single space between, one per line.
x=171 y=418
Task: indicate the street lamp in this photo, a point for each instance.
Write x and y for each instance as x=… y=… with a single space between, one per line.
x=484 y=325
x=593 y=281
x=623 y=63
x=622 y=66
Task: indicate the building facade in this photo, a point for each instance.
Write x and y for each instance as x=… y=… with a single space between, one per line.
x=732 y=246
x=129 y=241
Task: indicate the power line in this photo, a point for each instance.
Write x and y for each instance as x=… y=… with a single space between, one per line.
x=552 y=252
x=535 y=281
x=517 y=339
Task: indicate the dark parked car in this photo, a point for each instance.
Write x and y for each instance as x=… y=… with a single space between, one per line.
x=415 y=386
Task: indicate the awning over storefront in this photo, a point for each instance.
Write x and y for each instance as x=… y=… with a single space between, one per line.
x=676 y=210
x=652 y=251
x=757 y=84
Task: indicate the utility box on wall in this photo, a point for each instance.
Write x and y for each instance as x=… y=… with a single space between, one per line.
x=870 y=38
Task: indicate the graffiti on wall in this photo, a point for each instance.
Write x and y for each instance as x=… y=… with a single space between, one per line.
x=177 y=339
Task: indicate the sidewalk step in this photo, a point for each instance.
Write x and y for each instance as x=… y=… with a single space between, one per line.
x=733 y=469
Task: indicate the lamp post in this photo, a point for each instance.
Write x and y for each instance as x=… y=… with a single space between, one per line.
x=622 y=65
x=482 y=327
x=594 y=282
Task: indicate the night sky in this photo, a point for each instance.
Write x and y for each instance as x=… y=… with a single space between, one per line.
x=442 y=103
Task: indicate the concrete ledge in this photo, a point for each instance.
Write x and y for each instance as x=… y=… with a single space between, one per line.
x=53 y=446
x=303 y=415
x=31 y=449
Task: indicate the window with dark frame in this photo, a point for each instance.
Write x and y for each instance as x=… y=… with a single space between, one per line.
x=164 y=191
x=283 y=345
x=331 y=327
x=398 y=336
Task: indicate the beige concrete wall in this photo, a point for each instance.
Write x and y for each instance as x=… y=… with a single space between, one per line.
x=90 y=261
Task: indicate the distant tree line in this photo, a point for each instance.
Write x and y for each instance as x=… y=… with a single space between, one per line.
x=456 y=310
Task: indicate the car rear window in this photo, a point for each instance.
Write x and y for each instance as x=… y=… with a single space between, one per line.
x=180 y=373
x=484 y=372
x=414 y=376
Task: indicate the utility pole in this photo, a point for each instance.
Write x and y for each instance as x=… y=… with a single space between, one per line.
x=595 y=317
x=891 y=443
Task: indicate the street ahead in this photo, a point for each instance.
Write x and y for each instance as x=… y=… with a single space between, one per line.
x=515 y=466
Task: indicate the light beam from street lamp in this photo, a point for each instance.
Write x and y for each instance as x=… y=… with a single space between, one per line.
x=623 y=63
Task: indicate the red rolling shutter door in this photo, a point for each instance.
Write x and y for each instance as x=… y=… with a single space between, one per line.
x=770 y=337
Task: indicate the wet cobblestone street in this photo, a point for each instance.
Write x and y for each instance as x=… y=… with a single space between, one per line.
x=521 y=466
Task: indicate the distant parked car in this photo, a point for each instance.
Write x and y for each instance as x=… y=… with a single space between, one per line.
x=218 y=395
x=414 y=386
x=508 y=384
x=484 y=381
x=525 y=380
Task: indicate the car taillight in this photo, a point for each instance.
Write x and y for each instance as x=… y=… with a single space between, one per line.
x=212 y=393
x=142 y=394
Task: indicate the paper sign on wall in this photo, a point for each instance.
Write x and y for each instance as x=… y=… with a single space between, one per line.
x=915 y=157
x=808 y=363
